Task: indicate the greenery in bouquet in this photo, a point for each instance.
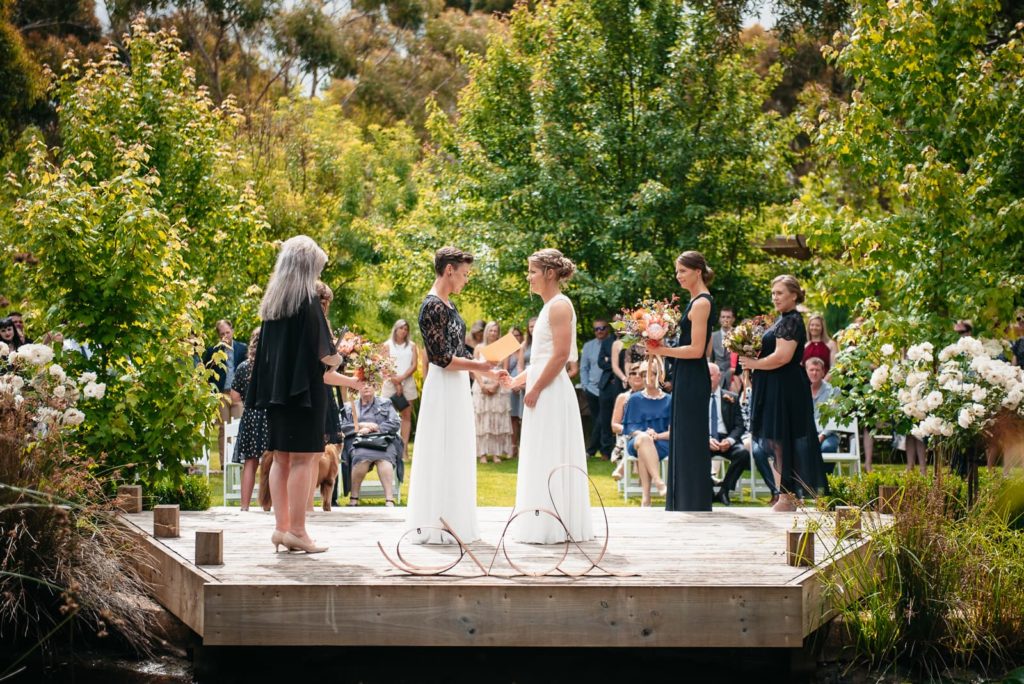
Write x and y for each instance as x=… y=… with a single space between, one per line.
x=961 y=396
x=745 y=338
x=651 y=322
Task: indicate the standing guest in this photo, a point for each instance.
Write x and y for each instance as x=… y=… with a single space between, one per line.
x=407 y=359
x=9 y=334
x=475 y=336
x=689 y=466
x=590 y=380
x=288 y=379
x=718 y=353
x=443 y=483
x=19 y=327
x=725 y=427
x=233 y=353
x=253 y=433
x=610 y=387
x=821 y=393
x=553 y=451
x=645 y=423
x=963 y=328
x=819 y=344
x=491 y=404
x=636 y=383
x=515 y=399
x=372 y=441
x=782 y=411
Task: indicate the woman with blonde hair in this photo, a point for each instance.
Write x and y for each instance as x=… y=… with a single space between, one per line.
x=819 y=344
x=552 y=450
x=295 y=359
x=407 y=359
x=492 y=407
x=645 y=423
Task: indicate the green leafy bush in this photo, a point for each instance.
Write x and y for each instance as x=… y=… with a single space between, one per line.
x=192 y=494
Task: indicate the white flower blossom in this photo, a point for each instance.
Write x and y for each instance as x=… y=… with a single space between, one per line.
x=13 y=358
x=879 y=376
x=36 y=354
x=94 y=390
x=888 y=350
x=86 y=378
x=18 y=400
x=979 y=394
x=18 y=382
x=73 y=417
x=4 y=349
x=59 y=391
x=965 y=418
x=916 y=378
x=933 y=400
x=921 y=352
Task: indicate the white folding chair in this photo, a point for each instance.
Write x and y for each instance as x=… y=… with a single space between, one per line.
x=629 y=485
x=850 y=457
x=232 y=471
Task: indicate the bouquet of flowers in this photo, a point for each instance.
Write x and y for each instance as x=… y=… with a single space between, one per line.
x=745 y=338
x=371 y=363
x=650 y=322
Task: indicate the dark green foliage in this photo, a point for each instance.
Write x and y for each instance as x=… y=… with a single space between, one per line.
x=191 y=494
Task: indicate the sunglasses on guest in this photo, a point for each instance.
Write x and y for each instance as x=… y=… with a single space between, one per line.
x=599 y=328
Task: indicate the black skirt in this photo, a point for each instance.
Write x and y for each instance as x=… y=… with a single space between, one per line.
x=298 y=429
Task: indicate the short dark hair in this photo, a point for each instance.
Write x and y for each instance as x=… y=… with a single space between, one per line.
x=225 y=322
x=11 y=314
x=450 y=255
x=6 y=322
x=727 y=308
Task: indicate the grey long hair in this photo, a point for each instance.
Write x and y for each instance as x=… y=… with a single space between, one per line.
x=293 y=281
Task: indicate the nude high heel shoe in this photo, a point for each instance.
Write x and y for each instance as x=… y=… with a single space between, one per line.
x=298 y=544
x=277 y=539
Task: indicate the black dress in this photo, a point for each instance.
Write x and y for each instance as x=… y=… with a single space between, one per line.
x=288 y=379
x=782 y=412
x=689 y=462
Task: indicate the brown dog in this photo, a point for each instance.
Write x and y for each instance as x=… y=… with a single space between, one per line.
x=327 y=473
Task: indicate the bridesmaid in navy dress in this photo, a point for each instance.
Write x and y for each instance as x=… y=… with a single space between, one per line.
x=781 y=407
x=689 y=463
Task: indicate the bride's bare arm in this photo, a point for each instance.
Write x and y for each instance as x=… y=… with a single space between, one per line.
x=560 y=319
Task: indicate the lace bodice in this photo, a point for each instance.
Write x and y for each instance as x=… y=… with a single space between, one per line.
x=443 y=331
x=543 y=346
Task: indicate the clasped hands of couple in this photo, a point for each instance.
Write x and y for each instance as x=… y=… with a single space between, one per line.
x=518 y=383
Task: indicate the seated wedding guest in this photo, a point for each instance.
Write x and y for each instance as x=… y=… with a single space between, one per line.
x=757 y=449
x=726 y=434
x=645 y=424
x=372 y=441
x=819 y=344
x=253 y=434
x=821 y=392
x=19 y=327
x=401 y=389
x=636 y=383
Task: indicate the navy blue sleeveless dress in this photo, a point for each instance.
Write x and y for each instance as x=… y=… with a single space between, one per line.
x=689 y=463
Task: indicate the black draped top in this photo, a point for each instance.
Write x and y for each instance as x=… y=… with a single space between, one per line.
x=287 y=368
x=443 y=331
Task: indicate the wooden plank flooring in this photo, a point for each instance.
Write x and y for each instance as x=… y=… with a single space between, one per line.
x=682 y=579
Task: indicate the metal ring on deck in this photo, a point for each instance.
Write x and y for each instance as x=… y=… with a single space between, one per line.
x=412 y=568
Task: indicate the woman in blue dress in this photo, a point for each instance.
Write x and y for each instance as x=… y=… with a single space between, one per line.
x=689 y=465
x=645 y=423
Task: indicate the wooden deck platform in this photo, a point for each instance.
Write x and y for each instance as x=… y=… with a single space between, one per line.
x=701 y=580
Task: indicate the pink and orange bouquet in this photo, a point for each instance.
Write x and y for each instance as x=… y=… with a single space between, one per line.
x=652 y=322
x=370 y=363
x=745 y=338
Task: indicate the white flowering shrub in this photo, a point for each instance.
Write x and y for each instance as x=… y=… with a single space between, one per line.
x=38 y=400
x=955 y=397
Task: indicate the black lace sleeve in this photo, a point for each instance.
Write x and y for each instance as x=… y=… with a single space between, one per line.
x=435 y=324
x=791 y=327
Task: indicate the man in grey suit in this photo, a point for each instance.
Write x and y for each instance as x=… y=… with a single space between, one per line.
x=717 y=353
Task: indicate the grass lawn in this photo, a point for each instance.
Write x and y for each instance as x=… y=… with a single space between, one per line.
x=496 y=486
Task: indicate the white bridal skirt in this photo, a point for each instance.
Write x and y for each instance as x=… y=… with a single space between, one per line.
x=552 y=436
x=443 y=477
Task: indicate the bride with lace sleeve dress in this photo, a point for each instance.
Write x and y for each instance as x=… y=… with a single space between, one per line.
x=552 y=431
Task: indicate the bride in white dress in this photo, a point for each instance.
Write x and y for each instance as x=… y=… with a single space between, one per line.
x=443 y=478
x=552 y=431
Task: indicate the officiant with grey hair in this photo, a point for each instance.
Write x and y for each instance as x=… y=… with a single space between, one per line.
x=372 y=441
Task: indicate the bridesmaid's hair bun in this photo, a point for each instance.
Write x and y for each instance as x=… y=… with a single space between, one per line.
x=450 y=255
x=695 y=260
x=791 y=284
x=552 y=259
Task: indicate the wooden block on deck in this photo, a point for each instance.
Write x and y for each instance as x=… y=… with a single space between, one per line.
x=166 y=521
x=800 y=547
x=848 y=521
x=209 y=547
x=888 y=498
x=129 y=498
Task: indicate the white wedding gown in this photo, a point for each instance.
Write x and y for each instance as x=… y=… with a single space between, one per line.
x=552 y=435
x=443 y=478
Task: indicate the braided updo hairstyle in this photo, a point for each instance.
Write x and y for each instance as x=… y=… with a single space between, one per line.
x=793 y=285
x=552 y=259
